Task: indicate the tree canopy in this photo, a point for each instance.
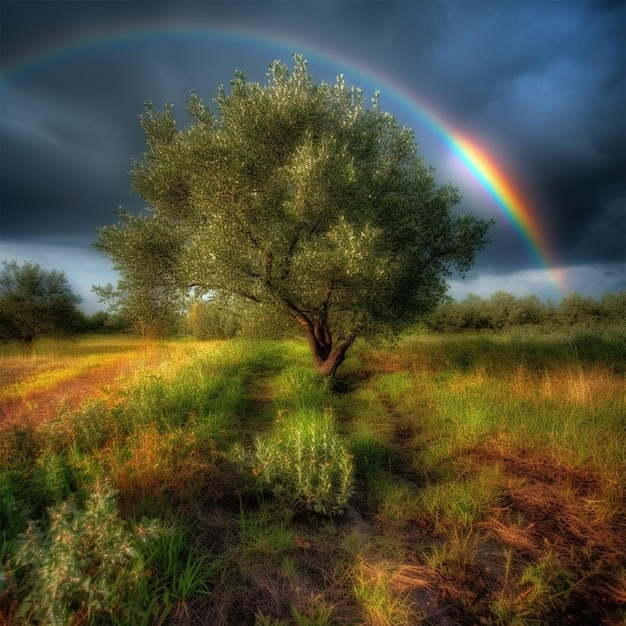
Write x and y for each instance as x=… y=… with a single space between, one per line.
x=298 y=195
x=35 y=301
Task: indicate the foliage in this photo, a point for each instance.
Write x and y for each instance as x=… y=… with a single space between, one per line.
x=35 y=302
x=104 y=322
x=12 y=515
x=147 y=311
x=304 y=463
x=212 y=319
x=298 y=196
x=87 y=561
x=504 y=310
x=225 y=317
x=91 y=565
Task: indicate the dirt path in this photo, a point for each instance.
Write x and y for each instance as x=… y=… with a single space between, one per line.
x=100 y=382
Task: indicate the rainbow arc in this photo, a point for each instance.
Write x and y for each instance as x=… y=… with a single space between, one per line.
x=498 y=183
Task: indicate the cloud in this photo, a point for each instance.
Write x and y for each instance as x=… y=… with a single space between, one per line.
x=540 y=86
x=592 y=280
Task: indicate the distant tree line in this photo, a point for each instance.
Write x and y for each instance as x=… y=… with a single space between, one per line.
x=215 y=319
x=504 y=310
x=35 y=302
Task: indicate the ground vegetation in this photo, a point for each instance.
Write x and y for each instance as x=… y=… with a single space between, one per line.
x=443 y=479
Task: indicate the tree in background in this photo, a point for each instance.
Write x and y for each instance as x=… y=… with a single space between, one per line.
x=613 y=307
x=35 y=302
x=504 y=310
x=213 y=319
x=224 y=317
x=103 y=322
x=300 y=197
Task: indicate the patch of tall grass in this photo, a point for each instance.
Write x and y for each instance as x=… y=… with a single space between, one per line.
x=73 y=347
x=44 y=375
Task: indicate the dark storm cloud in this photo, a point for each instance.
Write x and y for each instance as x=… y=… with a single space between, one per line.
x=66 y=146
x=539 y=84
x=545 y=82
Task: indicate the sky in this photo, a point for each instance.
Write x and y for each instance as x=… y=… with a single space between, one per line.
x=520 y=104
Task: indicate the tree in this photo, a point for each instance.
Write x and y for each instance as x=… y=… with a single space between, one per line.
x=212 y=319
x=35 y=302
x=612 y=307
x=299 y=196
x=145 y=253
x=578 y=310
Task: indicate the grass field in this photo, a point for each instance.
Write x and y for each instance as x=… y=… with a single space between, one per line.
x=441 y=480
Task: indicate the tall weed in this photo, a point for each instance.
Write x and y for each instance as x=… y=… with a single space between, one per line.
x=90 y=566
x=304 y=463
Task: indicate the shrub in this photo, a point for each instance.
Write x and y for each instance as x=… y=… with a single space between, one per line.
x=18 y=448
x=12 y=515
x=304 y=463
x=85 y=566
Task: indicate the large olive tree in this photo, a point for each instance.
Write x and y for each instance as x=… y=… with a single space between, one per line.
x=297 y=195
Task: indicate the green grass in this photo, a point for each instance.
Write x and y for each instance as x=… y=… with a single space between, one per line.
x=480 y=476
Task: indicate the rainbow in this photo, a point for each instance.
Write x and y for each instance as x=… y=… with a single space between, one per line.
x=497 y=183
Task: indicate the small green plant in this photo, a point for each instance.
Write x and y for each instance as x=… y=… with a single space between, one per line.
x=90 y=567
x=398 y=501
x=53 y=479
x=300 y=388
x=177 y=573
x=373 y=459
x=93 y=426
x=18 y=448
x=318 y=614
x=261 y=537
x=380 y=601
x=260 y=619
x=454 y=556
x=11 y=518
x=304 y=463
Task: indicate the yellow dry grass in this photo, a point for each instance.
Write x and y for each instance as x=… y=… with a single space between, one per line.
x=53 y=373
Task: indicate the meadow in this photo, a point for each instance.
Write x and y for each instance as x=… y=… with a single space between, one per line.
x=441 y=479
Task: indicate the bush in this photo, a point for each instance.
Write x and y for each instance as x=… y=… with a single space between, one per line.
x=304 y=463
x=86 y=564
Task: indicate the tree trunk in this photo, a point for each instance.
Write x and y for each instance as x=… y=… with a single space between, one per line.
x=326 y=357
